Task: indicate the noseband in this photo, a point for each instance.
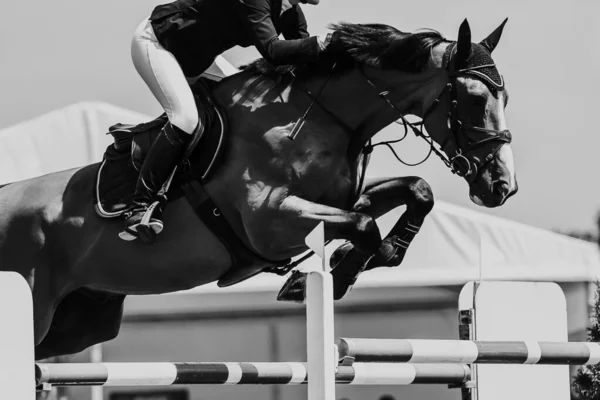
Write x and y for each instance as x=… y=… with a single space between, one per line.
x=461 y=162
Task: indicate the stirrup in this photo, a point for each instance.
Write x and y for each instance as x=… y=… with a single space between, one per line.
x=146 y=229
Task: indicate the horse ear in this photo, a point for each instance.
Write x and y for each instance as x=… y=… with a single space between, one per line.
x=463 y=47
x=492 y=40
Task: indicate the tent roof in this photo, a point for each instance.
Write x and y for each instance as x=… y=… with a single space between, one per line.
x=452 y=245
x=69 y=137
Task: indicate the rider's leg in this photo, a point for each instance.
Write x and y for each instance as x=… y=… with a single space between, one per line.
x=163 y=75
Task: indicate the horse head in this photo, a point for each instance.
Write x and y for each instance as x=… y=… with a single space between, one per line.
x=454 y=87
x=468 y=119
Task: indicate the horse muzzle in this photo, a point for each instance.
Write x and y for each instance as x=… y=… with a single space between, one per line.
x=497 y=194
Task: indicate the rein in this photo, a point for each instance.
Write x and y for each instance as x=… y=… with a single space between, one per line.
x=315 y=100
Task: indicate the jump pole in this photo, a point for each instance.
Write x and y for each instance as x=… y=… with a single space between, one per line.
x=467 y=351
x=321 y=373
x=242 y=373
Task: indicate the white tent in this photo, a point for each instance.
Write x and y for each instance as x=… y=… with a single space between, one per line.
x=70 y=137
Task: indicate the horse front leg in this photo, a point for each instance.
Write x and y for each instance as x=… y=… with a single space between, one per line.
x=382 y=195
x=379 y=197
x=358 y=228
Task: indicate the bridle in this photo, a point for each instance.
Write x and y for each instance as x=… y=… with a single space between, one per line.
x=461 y=162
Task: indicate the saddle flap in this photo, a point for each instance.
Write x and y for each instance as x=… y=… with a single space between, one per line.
x=212 y=138
x=122 y=161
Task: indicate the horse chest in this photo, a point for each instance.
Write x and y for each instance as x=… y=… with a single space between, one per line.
x=329 y=186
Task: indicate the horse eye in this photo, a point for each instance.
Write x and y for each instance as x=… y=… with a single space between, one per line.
x=478 y=101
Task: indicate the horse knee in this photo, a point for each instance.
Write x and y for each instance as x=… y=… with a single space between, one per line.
x=422 y=197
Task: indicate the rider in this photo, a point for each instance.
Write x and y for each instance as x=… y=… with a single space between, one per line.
x=180 y=41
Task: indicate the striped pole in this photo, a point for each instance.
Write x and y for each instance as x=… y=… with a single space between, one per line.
x=232 y=373
x=468 y=352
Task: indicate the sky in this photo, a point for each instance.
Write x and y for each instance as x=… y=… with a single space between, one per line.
x=60 y=52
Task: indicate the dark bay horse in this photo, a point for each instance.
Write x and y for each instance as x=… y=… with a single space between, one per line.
x=272 y=191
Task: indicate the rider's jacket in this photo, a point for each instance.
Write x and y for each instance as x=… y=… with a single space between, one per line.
x=197 y=31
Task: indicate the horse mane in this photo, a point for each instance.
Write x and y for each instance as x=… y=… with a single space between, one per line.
x=375 y=45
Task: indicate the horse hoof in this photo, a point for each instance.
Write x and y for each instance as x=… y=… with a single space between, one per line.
x=293 y=290
x=339 y=254
x=347 y=264
x=146 y=234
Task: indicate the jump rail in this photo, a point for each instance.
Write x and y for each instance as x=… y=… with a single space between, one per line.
x=233 y=373
x=468 y=352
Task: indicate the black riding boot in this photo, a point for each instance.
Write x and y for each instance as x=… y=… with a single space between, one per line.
x=149 y=200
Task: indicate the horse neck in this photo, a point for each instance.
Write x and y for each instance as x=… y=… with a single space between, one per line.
x=355 y=95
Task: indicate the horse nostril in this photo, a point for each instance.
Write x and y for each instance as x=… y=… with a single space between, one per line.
x=500 y=188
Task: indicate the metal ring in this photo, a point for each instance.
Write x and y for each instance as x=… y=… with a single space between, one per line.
x=216 y=212
x=458 y=162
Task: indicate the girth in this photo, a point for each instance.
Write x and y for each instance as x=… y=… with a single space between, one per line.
x=245 y=262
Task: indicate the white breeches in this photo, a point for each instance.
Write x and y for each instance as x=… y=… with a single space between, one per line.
x=163 y=75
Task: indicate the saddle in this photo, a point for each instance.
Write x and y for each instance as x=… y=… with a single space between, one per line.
x=122 y=161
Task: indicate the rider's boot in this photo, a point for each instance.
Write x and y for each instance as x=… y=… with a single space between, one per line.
x=149 y=200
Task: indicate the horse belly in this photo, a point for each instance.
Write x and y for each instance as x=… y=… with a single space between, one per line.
x=185 y=255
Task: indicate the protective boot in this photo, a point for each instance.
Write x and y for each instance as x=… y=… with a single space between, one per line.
x=149 y=200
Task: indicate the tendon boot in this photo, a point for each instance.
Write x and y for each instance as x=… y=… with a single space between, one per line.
x=393 y=248
x=149 y=200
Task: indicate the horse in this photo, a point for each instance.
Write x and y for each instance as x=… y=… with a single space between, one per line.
x=294 y=152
